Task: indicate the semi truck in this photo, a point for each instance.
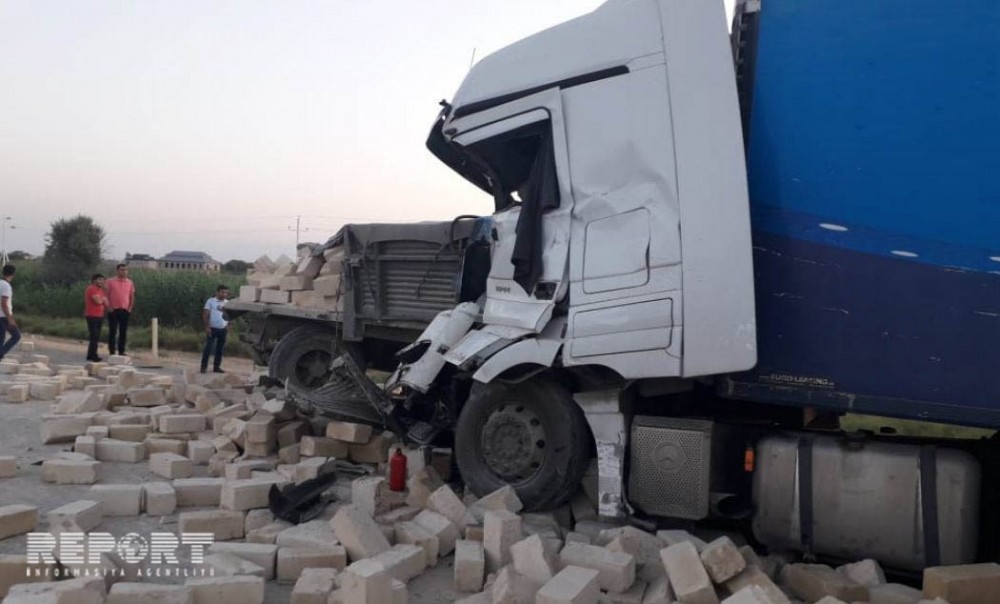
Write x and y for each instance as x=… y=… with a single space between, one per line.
x=707 y=247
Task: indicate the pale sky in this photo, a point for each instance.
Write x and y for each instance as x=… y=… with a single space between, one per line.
x=182 y=124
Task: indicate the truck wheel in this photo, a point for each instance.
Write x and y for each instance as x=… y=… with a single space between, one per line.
x=303 y=357
x=531 y=436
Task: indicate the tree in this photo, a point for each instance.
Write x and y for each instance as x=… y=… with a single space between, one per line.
x=73 y=249
x=237 y=267
x=19 y=255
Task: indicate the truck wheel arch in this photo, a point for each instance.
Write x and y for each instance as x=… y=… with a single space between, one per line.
x=536 y=352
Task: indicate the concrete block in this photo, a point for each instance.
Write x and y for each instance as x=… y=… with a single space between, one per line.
x=98 y=432
x=8 y=466
x=893 y=593
x=256 y=519
x=228 y=565
x=572 y=585
x=63 y=429
x=659 y=592
x=295 y=283
x=149 y=593
x=262 y=428
x=75 y=517
x=261 y=554
x=646 y=549
x=963 y=584
x=865 y=572
x=366 y=582
x=616 y=570
x=81 y=590
x=310 y=468
x=814 y=581
x=198 y=492
x=501 y=530
x=110 y=449
x=130 y=432
x=159 y=498
x=199 y=452
x=504 y=498
x=227 y=590
x=166 y=445
x=511 y=587
x=275 y=296
x=170 y=465
x=316 y=446
x=533 y=560
x=147 y=397
x=118 y=360
x=402 y=561
x=86 y=445
x=411 y=533
x=282 y=410
x=80 y=402
x=14 y=569
x=292 y=432
x=376 y=450
x=245 y=494
x=268 y=533
x=750 y=595
x=753 y=575
x=224 y=524
x=44 y=391
x=358 y=532
x=444 y=529
x=632 y=595
x=328 y=286
x=444 y=501
x=348 y=432
x=312 y=534
x=17 y=519
x=292 y=561
x=421 y=485
x=118 y=499
x=292 y=454
x=372 y=495
x=400 y=514
x=722 y=560
x=182 y=422
x=233 y=428
x=688 y=577
x=18 y=393
x=470 y=565
x=65 y=471
x=314 y=586
x=673 y=537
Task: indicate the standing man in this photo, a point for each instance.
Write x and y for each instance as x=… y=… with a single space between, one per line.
x=121 y=299
x=95 y=303
x=7 y=322
x=215 y=328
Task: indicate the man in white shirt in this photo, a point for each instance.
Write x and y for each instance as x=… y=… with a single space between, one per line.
x=216 y=327
x=7 y=322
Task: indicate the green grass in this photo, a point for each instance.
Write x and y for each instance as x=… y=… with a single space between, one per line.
x=139 y=334
x=907 y=427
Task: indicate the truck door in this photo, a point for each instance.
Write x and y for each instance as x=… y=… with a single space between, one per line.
x=520 y=148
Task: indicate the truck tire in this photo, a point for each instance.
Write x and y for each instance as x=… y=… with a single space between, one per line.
x=303 y=356
x=531 y=436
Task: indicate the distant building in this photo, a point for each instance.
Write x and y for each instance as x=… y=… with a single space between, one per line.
x=140 y=261
x=189 y=261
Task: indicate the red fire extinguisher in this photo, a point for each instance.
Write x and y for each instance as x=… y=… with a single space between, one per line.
x=397 y=471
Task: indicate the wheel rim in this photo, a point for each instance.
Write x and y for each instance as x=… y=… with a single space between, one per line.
x=312 y=369
x=513 y=442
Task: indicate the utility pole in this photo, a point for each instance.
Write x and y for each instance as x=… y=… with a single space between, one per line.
x=4 y=258
x=298 y=230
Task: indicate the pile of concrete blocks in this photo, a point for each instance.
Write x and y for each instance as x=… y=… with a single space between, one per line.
x=311 y=281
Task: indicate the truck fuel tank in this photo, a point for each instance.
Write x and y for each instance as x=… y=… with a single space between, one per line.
x=906 y=505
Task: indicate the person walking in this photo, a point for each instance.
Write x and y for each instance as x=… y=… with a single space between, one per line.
x=7 y=323
x=121 y=300
x=95 y=304
x=216 y=328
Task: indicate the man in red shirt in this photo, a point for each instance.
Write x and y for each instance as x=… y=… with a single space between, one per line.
x=95 y=302
x=121 y=299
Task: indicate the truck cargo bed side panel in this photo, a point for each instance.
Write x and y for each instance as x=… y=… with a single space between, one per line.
x=873 y=154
